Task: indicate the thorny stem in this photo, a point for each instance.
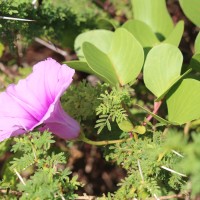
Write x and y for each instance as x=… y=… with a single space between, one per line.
x=100 y=143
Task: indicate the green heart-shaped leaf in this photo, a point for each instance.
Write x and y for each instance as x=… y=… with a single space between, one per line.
x=142 y=32
x=191 y=10
x=183 y=102
x=122 y=63
x=155 y=14
x=100 y=38
x=162 y=69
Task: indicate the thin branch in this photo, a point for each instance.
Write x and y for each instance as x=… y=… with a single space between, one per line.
x=19 y=176
x=6 y=71
x=63 y=198
x=156 y=197
x=140 y=170
x=52 y=47
x=172 y=171
x=16 y=19
x=177 y=153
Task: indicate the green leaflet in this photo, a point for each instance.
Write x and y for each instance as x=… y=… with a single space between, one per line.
x=161 y=72
x=191 y=10
x=183 y=102
x=154 y=13
x=162 y=68
x=175 y=36
x=126 y=126
x=147 y=38
x=100 y=38
x=142 y=32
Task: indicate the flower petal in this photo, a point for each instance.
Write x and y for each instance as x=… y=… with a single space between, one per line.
x=42 y=88
x=13 y=117
x=61 y=124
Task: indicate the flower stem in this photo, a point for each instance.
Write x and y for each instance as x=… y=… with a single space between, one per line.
x=101 y=143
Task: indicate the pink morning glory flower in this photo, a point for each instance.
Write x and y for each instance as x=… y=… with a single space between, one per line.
x=35 y=101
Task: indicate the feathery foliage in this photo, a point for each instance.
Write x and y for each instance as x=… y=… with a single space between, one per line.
x=48 y=176
x=58 y=20
x=143 y=160
x=111 y=107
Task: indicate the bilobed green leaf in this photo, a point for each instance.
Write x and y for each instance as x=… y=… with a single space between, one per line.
x=184 y=102
x=176 y=34
x=191 y=10
x=142 y=32
x=162 y=68
x=197 y=44
x=155 y=14
x=122 y=63
x=100 y=38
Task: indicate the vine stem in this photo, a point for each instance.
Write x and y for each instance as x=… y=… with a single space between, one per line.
x=100 y=143
x=155 y=110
